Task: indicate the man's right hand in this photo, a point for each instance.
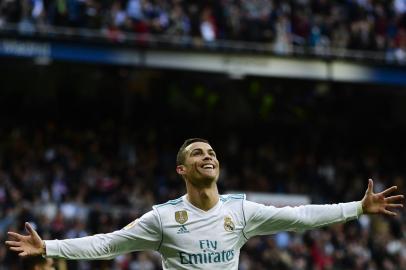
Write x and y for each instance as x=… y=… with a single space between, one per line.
x=26 y=245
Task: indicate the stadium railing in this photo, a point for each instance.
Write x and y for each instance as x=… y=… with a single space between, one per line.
x=148 y=40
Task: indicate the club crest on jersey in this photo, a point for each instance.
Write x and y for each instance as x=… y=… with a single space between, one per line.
x=229 y=224
x=181 y=216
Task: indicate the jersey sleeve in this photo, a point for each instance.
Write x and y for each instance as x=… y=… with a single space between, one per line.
x=263 y=220
x=142 y=234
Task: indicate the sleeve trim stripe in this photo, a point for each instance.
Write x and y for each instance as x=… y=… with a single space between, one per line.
x=171 y=202
x=245 y=221
x=162 y=231
x=228 y=197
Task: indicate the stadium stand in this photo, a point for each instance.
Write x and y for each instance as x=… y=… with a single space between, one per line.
x=73 y=178
x=86 y=149
x=318 y=26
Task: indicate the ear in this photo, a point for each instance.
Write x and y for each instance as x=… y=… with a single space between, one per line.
x=181 y=169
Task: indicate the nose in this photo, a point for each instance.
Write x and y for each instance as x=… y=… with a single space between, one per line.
x=207 y=157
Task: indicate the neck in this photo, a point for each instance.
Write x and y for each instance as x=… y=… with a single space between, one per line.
x=202 y=197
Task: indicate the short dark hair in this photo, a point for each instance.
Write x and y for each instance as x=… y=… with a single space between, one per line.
x=29 y=263
x=180 y=157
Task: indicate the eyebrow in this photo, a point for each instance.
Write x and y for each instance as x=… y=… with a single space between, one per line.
x=201 y=149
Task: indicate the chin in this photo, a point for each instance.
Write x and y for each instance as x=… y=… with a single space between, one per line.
x=207 y=179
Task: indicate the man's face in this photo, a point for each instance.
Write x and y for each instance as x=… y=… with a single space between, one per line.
x=201 y=166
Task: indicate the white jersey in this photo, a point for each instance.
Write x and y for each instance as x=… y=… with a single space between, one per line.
x=190 y=238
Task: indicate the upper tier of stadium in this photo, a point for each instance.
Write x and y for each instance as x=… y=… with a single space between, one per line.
x=361 y=29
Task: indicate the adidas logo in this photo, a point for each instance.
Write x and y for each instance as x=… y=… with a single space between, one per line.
x=182 y=230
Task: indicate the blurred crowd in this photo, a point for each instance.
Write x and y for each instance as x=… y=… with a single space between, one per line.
x=86 y=150
x=318 y=25
x=72 y=183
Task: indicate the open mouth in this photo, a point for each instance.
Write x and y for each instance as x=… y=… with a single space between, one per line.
x=208 y=166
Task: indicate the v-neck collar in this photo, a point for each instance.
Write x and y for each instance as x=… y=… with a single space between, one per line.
x=201 y=211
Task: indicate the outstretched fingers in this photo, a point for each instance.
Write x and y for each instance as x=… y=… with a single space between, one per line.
x=31 y=231
x=29 y=228
x=23 y=254
x=370 y=188
x=395 y=198
x=392 y=201
x=389 y=213
x=13 y=243
x=392 y=206
x=16 y=235
x=18 y=249
x=395 y=205
x=389 y=190
x=382 y=202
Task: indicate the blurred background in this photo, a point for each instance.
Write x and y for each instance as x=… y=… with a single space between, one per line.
x=300 y=99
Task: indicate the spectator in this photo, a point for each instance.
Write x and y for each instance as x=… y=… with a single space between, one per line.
x=319 y=25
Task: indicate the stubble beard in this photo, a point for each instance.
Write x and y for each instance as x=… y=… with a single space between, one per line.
x=204 y=181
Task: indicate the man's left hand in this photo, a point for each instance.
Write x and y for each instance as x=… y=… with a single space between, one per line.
x=380 y=203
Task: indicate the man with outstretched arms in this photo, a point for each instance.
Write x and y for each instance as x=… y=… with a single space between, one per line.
x=202 y=229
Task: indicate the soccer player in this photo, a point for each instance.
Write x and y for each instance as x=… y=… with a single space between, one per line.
x=202 y=229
